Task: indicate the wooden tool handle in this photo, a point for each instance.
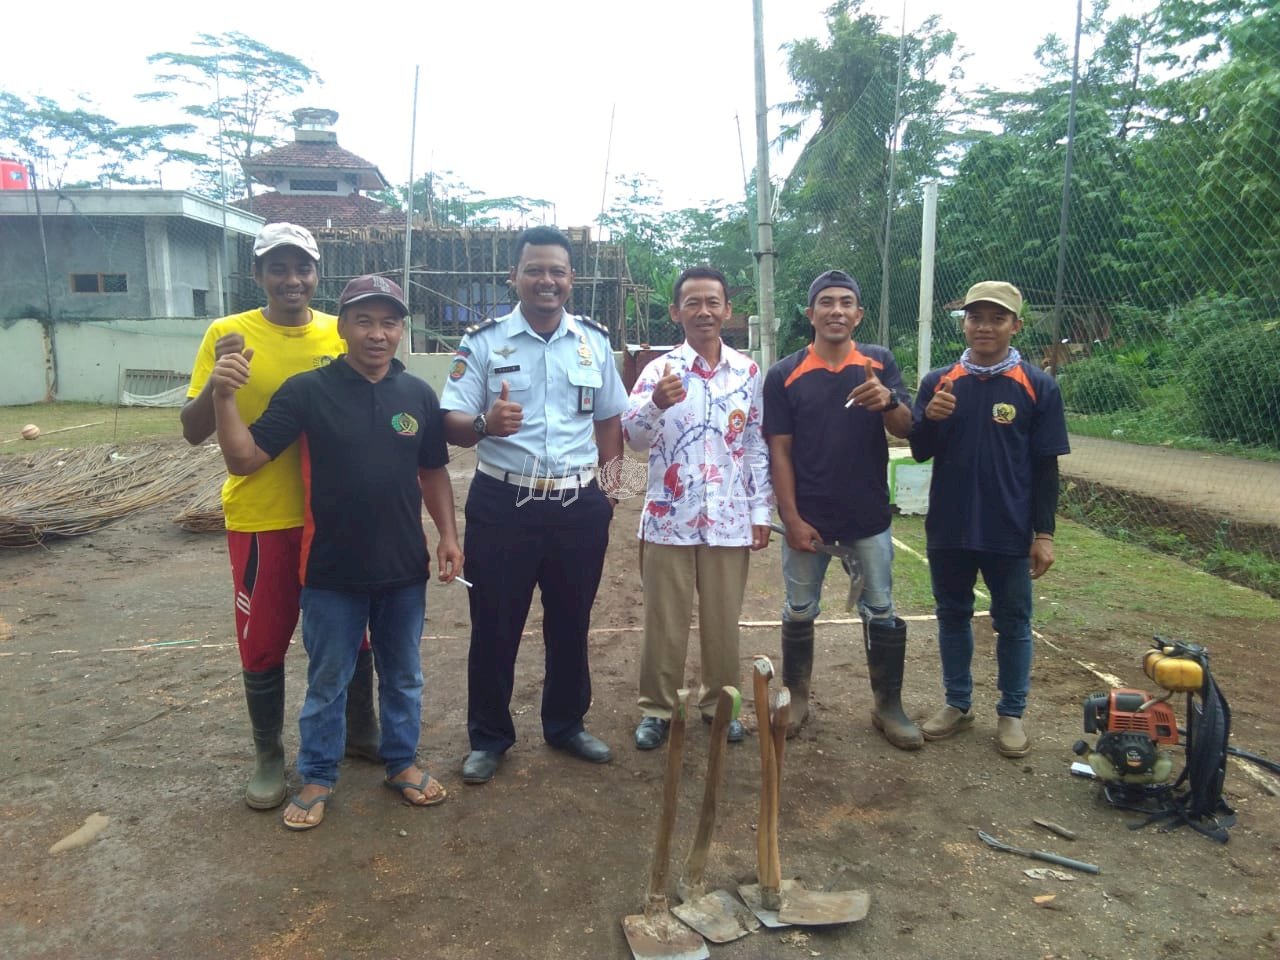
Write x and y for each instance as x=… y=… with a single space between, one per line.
x=666 y=824
x=781 y=717
x=728 y=704
x=762 y=670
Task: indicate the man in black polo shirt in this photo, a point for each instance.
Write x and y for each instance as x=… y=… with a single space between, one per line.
x=373 y=451
x=826 y=410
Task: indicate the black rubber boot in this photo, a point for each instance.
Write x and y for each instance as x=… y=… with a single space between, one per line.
x=797 y=666
x=886 y=650
x=264 y=694
x=362 y=720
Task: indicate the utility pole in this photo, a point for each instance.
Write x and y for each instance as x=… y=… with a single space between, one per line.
x=891 y=194
x=406 y=344
x=1064 y=221
x=764 y=206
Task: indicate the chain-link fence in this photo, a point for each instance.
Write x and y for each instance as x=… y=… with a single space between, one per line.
x=1150 y=279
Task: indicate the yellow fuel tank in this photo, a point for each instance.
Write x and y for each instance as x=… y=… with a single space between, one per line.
x=1173 y=673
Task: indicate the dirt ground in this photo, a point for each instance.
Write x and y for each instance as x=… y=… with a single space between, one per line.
x=120 y=693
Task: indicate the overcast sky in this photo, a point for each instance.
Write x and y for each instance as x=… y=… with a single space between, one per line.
x=515 y=98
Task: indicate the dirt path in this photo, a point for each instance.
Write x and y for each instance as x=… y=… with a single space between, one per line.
x=1246 y=490
x=120 y=694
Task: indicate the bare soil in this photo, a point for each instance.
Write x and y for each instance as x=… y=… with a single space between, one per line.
x=120 y=693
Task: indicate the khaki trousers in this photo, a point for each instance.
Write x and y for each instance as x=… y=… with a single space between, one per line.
x=670 y=576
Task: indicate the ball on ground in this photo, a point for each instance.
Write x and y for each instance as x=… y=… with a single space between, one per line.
x=30 y=432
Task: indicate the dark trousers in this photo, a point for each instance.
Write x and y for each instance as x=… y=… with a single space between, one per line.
x=954 y=573
x=513 y=544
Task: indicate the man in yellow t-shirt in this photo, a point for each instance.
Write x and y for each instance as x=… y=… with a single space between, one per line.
x=264 y=511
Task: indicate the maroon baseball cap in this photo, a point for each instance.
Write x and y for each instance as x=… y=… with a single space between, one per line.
x=370 y=286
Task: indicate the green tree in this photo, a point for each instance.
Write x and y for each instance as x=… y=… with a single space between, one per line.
x=441 y=199
x=999 y=213
x=1207 y=198
x=834 y=201
x=239 y=87
x=60 y=140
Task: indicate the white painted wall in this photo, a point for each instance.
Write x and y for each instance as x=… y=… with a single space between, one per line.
x=22 y=373
x=91 y=356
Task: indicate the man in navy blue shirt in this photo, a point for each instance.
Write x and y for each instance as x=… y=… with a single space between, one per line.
x=373 y=451
x=995 y=427
x=826 y=410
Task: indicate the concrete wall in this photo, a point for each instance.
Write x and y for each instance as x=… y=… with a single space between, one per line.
x=22 y=367
x=182 y=255
x=91 y=356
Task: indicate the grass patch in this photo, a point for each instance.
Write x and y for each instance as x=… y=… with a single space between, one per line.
x=1241 y=553
x=111 y=424
x=1167 y=419
x=1094 y=577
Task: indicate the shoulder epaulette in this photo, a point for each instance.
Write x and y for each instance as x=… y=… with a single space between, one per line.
x=482 y=325
x=595 y=324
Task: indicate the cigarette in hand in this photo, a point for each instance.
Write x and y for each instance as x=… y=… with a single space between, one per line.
x=465 y=583
x=849 y=403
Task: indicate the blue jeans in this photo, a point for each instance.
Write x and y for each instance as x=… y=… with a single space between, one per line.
x=333 y=625
x=803 y=573
x=1008 y=580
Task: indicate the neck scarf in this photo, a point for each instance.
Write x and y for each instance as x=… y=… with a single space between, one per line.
x=996 y=369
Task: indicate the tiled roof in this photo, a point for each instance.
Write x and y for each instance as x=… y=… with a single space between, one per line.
x=312 y=155
x=321 y=212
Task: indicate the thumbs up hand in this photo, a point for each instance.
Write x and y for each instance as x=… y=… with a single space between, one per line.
x=505 y=416
x=943 y=402
x=669 y=390
x=230 y=372
x=870 y=394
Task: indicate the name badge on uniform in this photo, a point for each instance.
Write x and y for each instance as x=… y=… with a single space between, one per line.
x=511 y=369
x=586 y=399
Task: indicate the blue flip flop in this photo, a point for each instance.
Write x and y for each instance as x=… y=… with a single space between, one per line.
x=400 y=786
x=305 y=806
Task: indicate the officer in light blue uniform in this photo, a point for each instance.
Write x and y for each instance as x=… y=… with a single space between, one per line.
x=538 y=393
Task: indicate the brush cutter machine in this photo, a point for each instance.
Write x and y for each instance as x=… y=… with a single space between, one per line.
x=1135 y=729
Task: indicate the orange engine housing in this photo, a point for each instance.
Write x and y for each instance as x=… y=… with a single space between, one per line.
x=1124 y=714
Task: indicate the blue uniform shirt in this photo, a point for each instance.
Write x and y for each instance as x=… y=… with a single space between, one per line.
x=564 y=384
x=984 y=456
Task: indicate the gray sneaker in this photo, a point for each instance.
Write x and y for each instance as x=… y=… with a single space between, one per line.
x=946 y=722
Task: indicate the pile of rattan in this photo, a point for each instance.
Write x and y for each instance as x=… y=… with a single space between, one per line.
x=204 y=513
x=64 y=493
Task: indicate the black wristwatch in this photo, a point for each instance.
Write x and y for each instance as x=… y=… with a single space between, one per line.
x=480 y=425
x=893 y=404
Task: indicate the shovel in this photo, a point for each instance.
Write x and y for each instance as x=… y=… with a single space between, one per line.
x=656 y=934
x=778 y=902
x=808 y=908
x=718 y=916
x=764 y=897
x=848 y=559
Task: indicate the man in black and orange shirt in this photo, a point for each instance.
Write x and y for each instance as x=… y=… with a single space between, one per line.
x=373 y=451
x=994 y=426
x=826 y=410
